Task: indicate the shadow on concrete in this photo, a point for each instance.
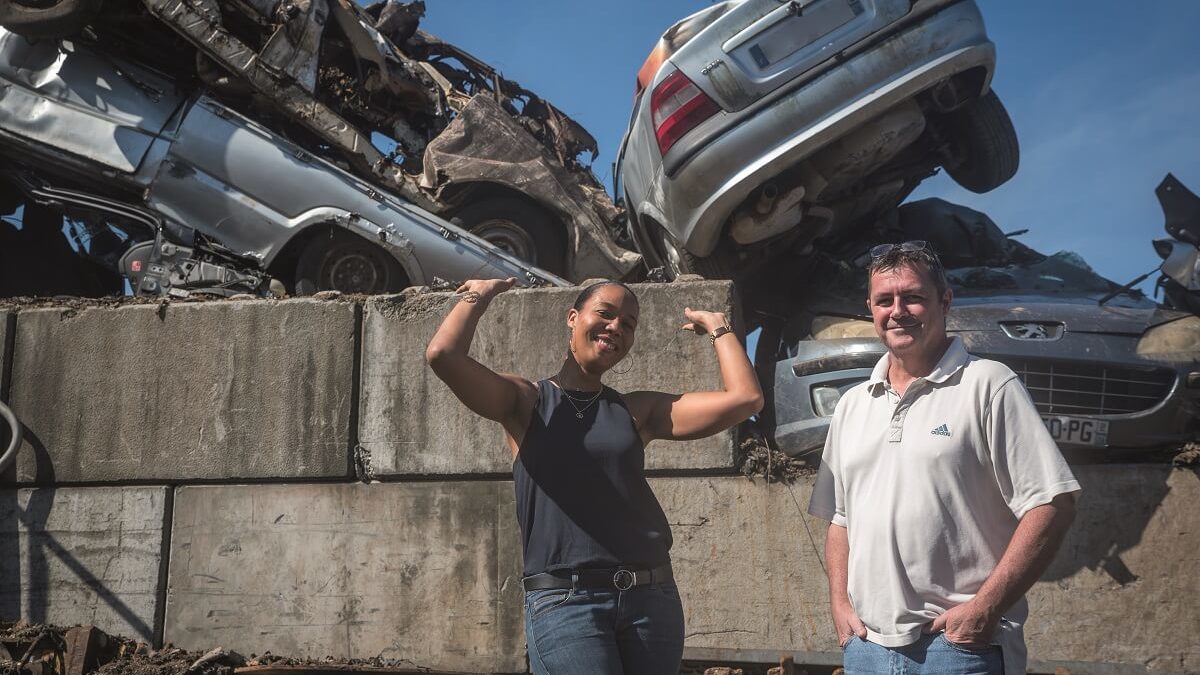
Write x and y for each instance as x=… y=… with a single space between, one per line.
x=29 y=579
x=1114 y=509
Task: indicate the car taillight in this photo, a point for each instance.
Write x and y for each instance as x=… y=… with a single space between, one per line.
x=678 y=106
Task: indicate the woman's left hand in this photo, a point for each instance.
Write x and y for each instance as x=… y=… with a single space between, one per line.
x=702 y=322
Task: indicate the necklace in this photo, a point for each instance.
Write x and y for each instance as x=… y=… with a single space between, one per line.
x=587 y=402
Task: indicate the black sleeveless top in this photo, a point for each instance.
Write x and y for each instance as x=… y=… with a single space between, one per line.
x=583 y=501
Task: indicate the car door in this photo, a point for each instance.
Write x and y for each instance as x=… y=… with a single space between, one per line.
x=58 y=97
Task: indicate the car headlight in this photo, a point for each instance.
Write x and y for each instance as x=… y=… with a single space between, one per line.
x=825 y=400
x=1181 y=336
x=829 y=327
x=825 y=396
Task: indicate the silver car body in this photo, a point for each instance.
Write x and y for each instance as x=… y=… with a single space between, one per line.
x=1129 y=368
x=112 y=125
x=888 y=53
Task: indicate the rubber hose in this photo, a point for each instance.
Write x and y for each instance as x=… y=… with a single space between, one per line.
x=10 y=455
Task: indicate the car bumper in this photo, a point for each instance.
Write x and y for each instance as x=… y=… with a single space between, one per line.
x=729 y=156
x=801 y=430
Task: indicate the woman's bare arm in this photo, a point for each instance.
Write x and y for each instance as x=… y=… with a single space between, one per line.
x=703 y=413
x=495 y=396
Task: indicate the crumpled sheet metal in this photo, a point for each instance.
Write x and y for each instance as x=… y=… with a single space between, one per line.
x=396 y=73
x=295 y=46
x=485 y=144
x=199 y=21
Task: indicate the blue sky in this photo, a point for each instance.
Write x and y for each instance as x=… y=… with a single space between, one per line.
x=1104 y=94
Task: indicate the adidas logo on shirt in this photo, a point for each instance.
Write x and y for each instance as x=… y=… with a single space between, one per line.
x=943 y=430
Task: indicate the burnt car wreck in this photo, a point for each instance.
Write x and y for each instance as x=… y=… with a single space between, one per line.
x=385 y=134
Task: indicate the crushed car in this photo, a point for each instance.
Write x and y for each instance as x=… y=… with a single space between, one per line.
x=760 y=127
x=1180 y=252
x=336 y=146
x=1110 y=371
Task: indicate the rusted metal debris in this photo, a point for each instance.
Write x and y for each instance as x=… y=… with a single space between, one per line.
x=348 y=75
x=336 y=669
x=50 y=650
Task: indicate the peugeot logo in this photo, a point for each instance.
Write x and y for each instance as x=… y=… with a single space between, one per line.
x=1033 y=330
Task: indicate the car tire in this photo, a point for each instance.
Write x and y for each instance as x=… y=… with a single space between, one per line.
x=47 y=19
x=677 y=260
x=521 y=229
x=983 y=143
x=337 y=260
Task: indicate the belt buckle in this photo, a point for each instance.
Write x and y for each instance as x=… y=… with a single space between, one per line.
x=624 y=580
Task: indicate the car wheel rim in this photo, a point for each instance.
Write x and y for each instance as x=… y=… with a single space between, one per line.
x=508 y=237
x=354 y=273
x=670 y=254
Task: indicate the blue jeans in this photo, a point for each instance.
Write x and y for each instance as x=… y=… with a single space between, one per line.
x=605 y=632
x=929 y=655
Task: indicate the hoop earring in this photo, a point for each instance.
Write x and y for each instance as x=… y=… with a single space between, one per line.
x=629 y=360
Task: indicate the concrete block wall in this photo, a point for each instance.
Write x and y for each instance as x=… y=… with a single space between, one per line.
x=84 y=555
x=185 y=392
x=6 y=318
x=263 y=540
x=524 y=333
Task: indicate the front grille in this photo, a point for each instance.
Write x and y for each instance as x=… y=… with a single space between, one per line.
x=1091 y=389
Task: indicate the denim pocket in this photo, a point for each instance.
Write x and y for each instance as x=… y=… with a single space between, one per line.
x=540 y=602
x=966 y=649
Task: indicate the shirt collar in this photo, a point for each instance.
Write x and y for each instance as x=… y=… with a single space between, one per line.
x=952 y=360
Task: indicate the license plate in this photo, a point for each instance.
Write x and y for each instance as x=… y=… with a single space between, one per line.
x=1077 y=430
x=794 y=33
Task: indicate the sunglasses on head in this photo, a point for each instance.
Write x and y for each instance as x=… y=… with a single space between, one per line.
x=907 y=246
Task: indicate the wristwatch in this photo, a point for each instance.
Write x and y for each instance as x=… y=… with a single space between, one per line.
x=718 y=332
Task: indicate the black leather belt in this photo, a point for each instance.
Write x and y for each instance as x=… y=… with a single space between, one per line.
x=620 y=578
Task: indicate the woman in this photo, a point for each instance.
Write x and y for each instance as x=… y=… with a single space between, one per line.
x=599 y=593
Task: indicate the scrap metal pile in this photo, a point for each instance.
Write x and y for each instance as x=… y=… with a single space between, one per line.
x=36 y=649
x=357 y=99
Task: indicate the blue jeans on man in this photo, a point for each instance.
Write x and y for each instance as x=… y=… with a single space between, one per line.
x=932 y=654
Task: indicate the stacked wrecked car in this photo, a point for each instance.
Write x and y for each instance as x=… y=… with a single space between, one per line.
x=321 y=144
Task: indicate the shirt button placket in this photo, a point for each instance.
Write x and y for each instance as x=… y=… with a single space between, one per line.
x=896 y=427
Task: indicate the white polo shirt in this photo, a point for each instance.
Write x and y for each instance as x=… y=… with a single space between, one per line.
x=930 y=487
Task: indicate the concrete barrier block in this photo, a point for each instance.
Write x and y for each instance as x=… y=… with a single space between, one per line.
x=750 y=566
x=748 y=563
x=413 y=425
x=7 y=318
x=425 y=573
x=82 y=555
x=1122 y=589
x=179 y=392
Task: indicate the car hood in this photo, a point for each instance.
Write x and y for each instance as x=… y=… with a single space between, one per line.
x=1078 y=313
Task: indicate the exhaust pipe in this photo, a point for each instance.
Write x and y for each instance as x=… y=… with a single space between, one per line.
x=766 y=199
x=772 y=213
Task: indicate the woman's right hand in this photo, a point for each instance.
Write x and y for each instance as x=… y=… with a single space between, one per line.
x=483 y=290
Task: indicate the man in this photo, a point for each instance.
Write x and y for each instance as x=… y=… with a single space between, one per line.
x=946 y=496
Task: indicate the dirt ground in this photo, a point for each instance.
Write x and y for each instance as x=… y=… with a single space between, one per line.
x=41 y=649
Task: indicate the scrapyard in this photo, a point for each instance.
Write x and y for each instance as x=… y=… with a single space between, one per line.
x=231 y=227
